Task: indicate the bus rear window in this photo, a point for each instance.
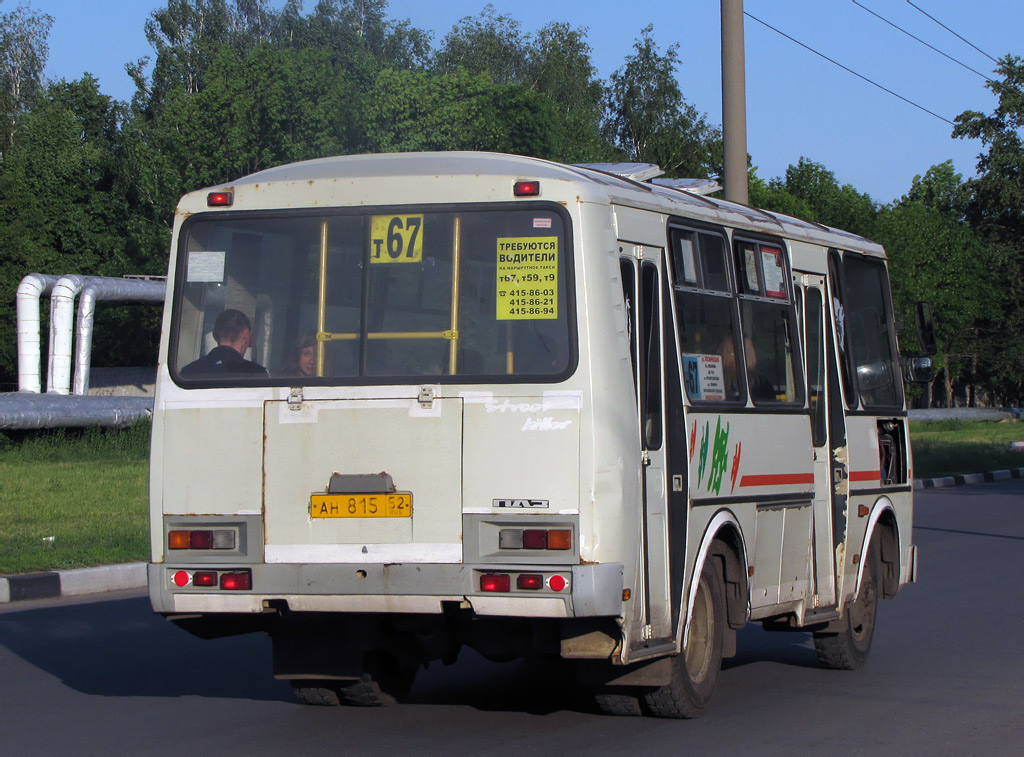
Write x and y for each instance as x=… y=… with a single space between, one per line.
x=397 y=296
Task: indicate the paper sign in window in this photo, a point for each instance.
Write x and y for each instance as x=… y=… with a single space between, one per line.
x=774 y=273
x=527 y=278
x=205 y=267
x=704 y=377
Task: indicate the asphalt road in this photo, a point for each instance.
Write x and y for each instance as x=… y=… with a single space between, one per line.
x=105 y=677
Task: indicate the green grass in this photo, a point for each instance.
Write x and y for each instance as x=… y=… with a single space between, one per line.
x=85 y=489
x=948 y=448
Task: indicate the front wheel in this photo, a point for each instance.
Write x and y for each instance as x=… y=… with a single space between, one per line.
x=849 y=648
x=695 y=671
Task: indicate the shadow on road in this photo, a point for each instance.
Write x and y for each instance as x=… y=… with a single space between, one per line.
x=119 y=648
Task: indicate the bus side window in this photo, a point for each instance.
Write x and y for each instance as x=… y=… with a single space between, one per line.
x=837 y=286
x=708 y=332
x=768 y=319
x=816 y=366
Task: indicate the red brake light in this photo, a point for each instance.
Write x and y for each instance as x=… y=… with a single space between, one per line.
x=495 y=582
x=535 y=538
x=221 y=199
x=238 y=581
x=529 y=581
x=526 y=188
x=204 y=578
x=202 y=540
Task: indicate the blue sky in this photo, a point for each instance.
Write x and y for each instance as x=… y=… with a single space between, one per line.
x=797 y=103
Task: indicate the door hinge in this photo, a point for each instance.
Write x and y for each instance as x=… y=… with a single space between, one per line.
x=295 y=398
x=645 y=458
x=426 y=398
x=647 y=633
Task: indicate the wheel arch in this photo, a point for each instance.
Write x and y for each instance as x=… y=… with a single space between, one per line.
x=882 y=524
x=723 y=541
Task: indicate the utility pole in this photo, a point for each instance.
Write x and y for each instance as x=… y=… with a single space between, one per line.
x=734 y=103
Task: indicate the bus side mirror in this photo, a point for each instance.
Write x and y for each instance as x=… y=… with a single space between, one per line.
x=918 y=370
x=925 y=328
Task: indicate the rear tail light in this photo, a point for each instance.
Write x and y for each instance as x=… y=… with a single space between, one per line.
x=202 y=540
x=204 y=578
x=560 y=538
x=501 y=582
x=529 y=581
x=237 y=581
x=205 y=538
x=228 y=580
x=535 y=538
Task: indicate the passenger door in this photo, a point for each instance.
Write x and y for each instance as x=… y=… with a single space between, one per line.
x=828 y=434
x=643 y=274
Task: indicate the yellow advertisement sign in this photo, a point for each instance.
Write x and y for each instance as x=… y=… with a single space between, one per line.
x=396 y=239
x=527 y=276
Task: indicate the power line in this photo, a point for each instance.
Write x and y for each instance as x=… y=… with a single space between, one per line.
x=849 y=70
x=931 y=47
x=920 y=10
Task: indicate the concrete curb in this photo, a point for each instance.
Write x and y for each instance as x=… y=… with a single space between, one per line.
x=68 y=583
x=969 y=478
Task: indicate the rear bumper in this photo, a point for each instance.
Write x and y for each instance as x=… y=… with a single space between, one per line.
x=590 y=590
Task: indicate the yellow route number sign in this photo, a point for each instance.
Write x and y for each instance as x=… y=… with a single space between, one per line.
x=396 y=239
x=527 y=274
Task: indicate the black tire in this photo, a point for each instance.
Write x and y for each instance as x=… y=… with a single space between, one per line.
x=695 y=671
x=384 y=682
x=622 y=701
x=316 y=693
x=849 y=648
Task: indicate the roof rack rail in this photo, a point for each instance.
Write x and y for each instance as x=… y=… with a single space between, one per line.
x=693 y=186
x=633 y=171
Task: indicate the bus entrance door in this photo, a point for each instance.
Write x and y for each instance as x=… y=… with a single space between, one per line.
x=828 y=434
x=642 y=283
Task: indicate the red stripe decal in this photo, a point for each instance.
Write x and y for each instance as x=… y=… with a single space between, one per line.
x=777 y=479
x=866 y=475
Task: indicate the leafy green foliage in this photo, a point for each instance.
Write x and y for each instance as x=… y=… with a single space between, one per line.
x=648 y=119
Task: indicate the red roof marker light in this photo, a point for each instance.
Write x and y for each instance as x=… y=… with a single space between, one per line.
x=526 y=188
x=220 y=199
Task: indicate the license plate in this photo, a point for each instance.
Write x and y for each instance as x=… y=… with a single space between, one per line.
x=392 y=505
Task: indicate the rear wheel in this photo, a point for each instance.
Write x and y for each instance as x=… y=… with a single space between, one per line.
x=618 y=700
x=384 y=682
x=695 y=671
x=849 y=649
x=316 y=693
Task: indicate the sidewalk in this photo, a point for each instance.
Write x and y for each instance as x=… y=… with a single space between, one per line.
x=69 y=583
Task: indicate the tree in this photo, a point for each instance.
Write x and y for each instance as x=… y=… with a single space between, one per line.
x=23 y=53
x=647 y=118
x=488 y=43
x=418 y=110
x=995 y=209
x=59 y=208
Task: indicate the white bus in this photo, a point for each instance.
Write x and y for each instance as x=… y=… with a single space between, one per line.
x=412 y=402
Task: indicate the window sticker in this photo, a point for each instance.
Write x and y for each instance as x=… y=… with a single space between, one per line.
x=705 y=379
x=527 y=278
x=396 y=239
x=542 y=223
x=774 y=273
x=205 y=267
x=750 y=267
